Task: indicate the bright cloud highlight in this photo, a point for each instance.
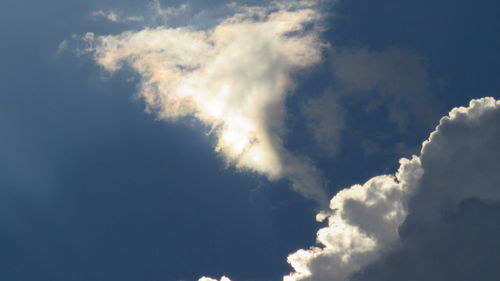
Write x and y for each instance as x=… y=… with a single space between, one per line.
x=234 y=78
x=459 y=161
x=457 y=164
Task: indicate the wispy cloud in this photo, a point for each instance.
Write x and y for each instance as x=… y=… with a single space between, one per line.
x=167 y=12
x=114 y=16
x=325 y=121
x=364 y=223
x=395 y=78
x=451 y=230
x=234 y=78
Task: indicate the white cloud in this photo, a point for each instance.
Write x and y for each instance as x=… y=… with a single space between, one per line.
x=223 y=278
x=393 y=79
x=363 y=223
x=168 y=12
x=134 y=18
x=451 y=231
x=62 y=46
x=459 y=161
x=234 y=78
x=114 y=16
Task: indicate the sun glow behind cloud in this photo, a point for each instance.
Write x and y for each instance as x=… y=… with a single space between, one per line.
x=364 y=226
x=234 y=78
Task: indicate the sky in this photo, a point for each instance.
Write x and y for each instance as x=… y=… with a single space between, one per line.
x=339 y=140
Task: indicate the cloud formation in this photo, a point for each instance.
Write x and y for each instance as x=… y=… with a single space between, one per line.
x=392 y=81
x=394 y=77
x=234 y=78
x=114 y=16
x=364 y=223
x=363 y=239
x=325 y=121
x=223 y=278
x=168 y=12
x=452 y=230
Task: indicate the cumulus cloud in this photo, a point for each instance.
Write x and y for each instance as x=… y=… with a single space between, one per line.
x=393 y=226
x=234 y=78
x=393 y=81
x=363 y=225
x=451 y=232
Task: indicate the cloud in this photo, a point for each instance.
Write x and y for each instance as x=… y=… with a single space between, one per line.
x=168 y=12
x=362 y=225
x=114 y=16
x=462 y=245
x=452 y=231
x=325 y=121
x=394 y=226
x=223 y=278
x=394 y=77
x=392 y=81
x=234 y=78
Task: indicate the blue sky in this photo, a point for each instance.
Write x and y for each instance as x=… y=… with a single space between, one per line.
x=92 y=187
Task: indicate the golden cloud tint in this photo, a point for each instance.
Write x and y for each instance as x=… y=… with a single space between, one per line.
x=234 y=78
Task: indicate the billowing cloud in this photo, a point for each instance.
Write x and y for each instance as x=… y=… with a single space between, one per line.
x=234 y=78
x=363 y=224
x=424 y=200
x=452 y=230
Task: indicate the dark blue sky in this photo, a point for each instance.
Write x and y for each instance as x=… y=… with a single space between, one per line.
x=93 y=188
